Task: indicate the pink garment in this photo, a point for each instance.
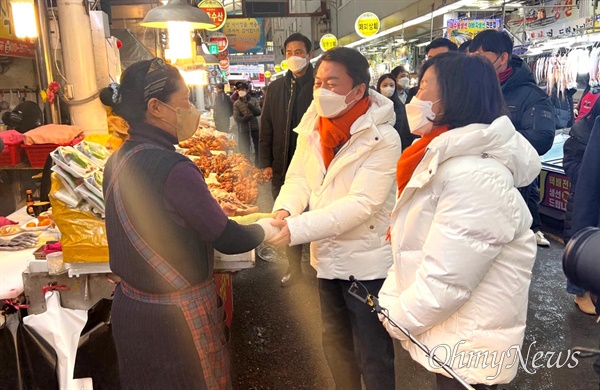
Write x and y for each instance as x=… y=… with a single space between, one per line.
x=52 y=134
x=11 y=137
x=51 y=248
x=5 y=221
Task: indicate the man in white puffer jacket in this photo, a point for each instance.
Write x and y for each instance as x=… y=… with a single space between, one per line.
x=463 y=250
x=346 y=188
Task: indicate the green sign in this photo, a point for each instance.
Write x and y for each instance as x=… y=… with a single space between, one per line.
x=213 y=48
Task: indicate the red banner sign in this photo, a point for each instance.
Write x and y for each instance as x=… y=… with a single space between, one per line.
x=16 y=48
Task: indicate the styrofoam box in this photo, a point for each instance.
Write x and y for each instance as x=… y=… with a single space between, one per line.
x=234 y=262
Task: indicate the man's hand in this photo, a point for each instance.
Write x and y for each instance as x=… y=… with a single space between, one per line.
x=268 y=172
x=284 y=237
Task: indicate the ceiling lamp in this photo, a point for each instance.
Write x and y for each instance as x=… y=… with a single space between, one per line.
x=177 y=11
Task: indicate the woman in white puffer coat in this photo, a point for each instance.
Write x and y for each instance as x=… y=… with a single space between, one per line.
x=463 y=250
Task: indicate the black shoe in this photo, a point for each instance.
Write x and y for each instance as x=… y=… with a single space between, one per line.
x=290 y=278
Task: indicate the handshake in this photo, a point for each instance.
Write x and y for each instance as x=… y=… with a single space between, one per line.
x=276 y=231
x=274 y=225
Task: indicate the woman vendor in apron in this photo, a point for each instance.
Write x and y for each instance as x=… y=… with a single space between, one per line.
x=162 y=225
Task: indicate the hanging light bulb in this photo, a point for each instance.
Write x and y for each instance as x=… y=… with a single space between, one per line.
x=180 y=46
x=23 y=12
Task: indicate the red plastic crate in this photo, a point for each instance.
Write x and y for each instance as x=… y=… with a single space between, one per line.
x=11 y=155
x=38 y=154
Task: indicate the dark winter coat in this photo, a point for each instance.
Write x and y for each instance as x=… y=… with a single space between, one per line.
x=586 y=211
x=287 y=100
x=401 y=125
x=245 y=111
x=529 y=108
x=223 y=111
x=573 y=151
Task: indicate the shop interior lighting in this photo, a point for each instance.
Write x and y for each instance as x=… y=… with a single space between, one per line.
x=177 y=11
x=400 y=27
x=423 y=44
x=23 y=12
x=413 y=22
x=180 y=46
x=194 y=77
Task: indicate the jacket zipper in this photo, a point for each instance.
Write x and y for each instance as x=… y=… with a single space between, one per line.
x=288 y=124
x=345 y=146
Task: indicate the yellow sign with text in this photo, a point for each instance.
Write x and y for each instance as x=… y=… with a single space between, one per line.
x=367 y=25
x=328 y=41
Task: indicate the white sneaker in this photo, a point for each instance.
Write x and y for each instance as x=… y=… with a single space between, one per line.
x=540 y=239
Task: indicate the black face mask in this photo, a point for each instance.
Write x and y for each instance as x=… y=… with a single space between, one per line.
x=494 y=63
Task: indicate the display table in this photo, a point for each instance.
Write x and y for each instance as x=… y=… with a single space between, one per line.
x=12 y=264
x=89 y=282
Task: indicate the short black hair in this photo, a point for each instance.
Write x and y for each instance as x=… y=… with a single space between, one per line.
x=493 y=41
x=355 y=63
x=132 y=105
x=397 y=70
x=441 y=42
x=243 y=86
x=297 y=37
x=469 y=89
x=464 y=47
x=221 y=86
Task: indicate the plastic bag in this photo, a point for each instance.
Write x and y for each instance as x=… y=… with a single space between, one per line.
x=61 y=328
x=28 y=361
x=83 y=234
x=96 y=354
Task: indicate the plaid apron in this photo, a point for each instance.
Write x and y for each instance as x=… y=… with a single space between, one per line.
x=200 y=305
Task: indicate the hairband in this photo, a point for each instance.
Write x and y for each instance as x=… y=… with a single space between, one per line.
x=156 y=78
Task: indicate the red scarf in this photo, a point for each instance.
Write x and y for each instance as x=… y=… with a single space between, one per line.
x=412 y=156
x=503 y=76
x=336 y=132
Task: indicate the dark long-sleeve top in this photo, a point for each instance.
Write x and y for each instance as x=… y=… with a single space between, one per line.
x=586 y=211
x=189 y=202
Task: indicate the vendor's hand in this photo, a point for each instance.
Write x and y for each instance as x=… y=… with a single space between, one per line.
x=229 y=209
x=281 y=214
x=268 y=172
x=267 y=225
x=284 y=237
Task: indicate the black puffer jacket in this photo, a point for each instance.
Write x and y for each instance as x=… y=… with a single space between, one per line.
x=286 y=102
x=529 y=108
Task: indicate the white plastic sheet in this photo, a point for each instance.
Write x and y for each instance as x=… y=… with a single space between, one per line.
x=61 y=328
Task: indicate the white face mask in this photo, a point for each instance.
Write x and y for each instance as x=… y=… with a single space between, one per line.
x=242 y=93
x=296 y=64
x=420 y=114
x=188 y=120
x=403 y=82
x=388 y=91
x=330 y=104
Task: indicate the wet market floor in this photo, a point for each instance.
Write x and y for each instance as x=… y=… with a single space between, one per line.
x=276 y=342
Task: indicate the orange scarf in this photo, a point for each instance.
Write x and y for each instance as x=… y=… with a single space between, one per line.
x=336 y=132
x=411 y=157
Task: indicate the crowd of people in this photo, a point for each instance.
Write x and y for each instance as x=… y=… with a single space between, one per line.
x=394 y=188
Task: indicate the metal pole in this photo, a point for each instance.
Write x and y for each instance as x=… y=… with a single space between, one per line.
x=431 y=22
x=503 y=14
x=43 y=59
